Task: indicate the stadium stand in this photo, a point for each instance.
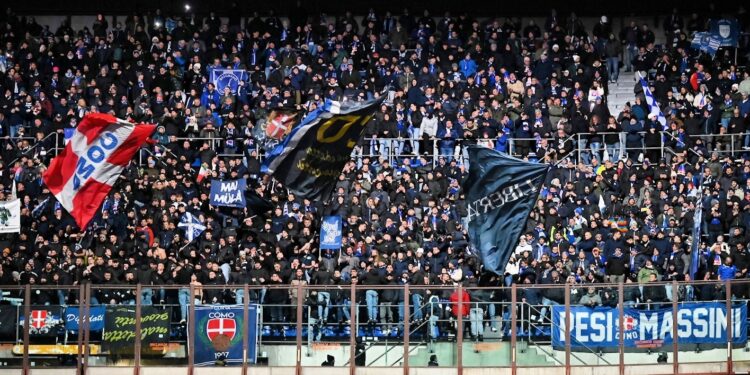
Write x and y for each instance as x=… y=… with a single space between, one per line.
x=618 y=204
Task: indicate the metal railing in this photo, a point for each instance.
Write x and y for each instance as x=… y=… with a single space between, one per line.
x=442 y=320
x=394 y=150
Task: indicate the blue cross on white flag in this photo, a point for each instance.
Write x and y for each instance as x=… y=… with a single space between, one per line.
x=191 y=225
x=653 y=106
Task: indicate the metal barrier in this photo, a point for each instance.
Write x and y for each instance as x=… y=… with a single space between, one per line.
x=392 y=149
x=494 y=323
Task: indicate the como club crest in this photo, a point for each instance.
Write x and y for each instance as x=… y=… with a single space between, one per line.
x=279 y=124
x=221 y=326
x=630 y=322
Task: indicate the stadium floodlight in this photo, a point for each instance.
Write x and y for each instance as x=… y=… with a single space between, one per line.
x=187 y=7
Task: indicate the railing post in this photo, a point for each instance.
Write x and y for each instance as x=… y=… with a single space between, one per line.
x=190 y=323
x=578 y=147
x=79 y=357
x=661 y=145
x=567 y=328
x=137 y=348
x=245 y=332
x=300 y=301
x=407 y=328
x=675 y=344
x=86 y=328
x=621 y=326
x=513 y=329
x=353 y=309
x=435 y=152
x=730 y=328
x=26 y=325
x=460 y=330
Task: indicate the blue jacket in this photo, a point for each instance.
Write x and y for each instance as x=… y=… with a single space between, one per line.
x=448 y=138
x=210 y=97
x=468 y=67
x=726 y=272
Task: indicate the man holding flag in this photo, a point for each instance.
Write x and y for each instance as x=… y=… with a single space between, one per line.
x=653 y=105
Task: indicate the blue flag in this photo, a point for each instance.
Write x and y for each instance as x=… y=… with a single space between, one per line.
x=310 y=159
x=331 y=232
x=229 y=193
x=653 y=106
x=68 y=134
x=727 y=31
x=191 y=225
x=697 y=221
x=705 y=42
x=231 y=78
x=39 y=209
x=500 y=193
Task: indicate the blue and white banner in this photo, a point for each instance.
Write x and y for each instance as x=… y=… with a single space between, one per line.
x=218 y=334
x=697 y=323
x=73 y=317
x=653 y=105
x=331 y=232
x=231 y=78
x=704 y=41
x=192 y=226
x=726 y=31
x=229 y=193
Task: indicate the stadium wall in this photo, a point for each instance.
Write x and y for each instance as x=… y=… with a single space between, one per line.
x=80 y=21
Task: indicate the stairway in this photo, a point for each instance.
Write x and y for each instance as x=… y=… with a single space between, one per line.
x=621 y=92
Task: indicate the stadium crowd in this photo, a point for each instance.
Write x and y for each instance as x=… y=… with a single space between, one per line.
x=536 y=91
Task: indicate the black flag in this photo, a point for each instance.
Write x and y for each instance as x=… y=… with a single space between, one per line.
x=310 y=159
x=500 y=193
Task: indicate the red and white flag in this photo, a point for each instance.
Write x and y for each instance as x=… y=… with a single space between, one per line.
x=82 y=175
x=279 y=124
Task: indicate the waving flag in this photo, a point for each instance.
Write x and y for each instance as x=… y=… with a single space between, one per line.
x=82 y=175
x=704 y=41
x=500 y=192
x=727 y=31
x=231 y=78
x=697 y=226
x=653 y=106
x=310 y=159
x=191 y=225
x=203 y=172
x=279 y=124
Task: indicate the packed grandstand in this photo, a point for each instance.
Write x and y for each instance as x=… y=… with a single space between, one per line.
x=618 y=204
